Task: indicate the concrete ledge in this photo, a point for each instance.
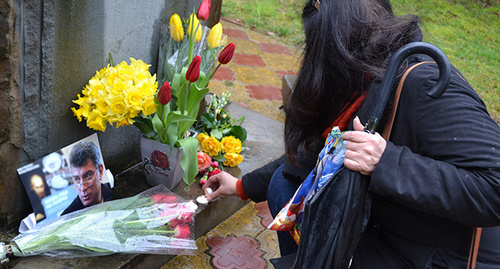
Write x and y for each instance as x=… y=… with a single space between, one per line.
x=264 y=144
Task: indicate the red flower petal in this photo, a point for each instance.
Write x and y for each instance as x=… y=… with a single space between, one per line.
x=204 y=10
x=193 y=72
x=226 y=54
x=165 y=93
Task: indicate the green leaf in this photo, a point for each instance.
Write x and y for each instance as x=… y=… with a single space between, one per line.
x=195 y=96
x=219 y=158
x=239 y=132
x=176 y=84
x=217 y=134
x=171 y=134
x=183 y=97
x=144 y=125
x=227 y=131
x=208 y=121
x=176 y=116
x=189 y=160
x=158 y=126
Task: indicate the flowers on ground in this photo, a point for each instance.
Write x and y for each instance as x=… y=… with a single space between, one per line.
x=220 y=136
x=153 y=222
x=207 y=167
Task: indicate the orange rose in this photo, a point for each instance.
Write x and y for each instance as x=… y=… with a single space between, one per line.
x=204 y=161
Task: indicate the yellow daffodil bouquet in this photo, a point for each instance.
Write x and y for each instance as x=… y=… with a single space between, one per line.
x=117 y=95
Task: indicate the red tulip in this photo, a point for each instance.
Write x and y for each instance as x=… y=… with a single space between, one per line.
x=182 y=232
x=173 y=223
x=165 y=93
x=186 y=217
x=193 y=72
x=204 y=10
x=226 y=54
x=164 y=199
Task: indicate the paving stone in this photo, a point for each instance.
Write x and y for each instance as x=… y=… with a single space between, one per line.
x=262 y=92
x=236 y=252
x=234 y=33
x=248 y=59
x=256 y=75
x=245 y=46
x=224 y=73
x=282 y=73
x=275 y=48
x=281 y=62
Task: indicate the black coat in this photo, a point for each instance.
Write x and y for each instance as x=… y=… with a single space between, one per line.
x=439 y=175
x=438 y=178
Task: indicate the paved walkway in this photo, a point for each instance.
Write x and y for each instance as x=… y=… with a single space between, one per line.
x=254 y=78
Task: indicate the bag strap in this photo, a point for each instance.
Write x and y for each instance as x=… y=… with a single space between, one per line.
x=474 y=247
x=476 y=236
x=388 y=126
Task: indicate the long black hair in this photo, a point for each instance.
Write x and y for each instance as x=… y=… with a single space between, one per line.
x=347 y=43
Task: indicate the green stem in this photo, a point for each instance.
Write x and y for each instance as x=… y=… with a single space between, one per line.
x=111 y=60
x=191 y=38
x=146 y=220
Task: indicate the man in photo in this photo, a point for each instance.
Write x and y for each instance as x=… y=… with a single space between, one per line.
x=87 y=170
x=39 y=190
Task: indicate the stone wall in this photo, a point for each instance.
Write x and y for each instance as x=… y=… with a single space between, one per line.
x=10 y=117
x=62 y=43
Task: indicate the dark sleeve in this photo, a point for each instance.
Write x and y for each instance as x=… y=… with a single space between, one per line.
x=74 y=206
x=444 y=158
x=256 y=182
x=107 y=193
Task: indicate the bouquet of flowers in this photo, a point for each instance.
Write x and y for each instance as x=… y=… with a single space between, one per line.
x=127 y=94
x=222 y=137
x=154 y=222
x=117 y=95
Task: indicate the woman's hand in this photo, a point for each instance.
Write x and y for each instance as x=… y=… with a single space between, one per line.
x=363 y=149
x=222 y=184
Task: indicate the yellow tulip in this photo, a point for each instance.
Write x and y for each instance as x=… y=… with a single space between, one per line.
x=175 y=28
x=215 y=35
x=197 y=28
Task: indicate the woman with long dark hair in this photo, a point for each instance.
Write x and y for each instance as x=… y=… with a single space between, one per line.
x=432 y=182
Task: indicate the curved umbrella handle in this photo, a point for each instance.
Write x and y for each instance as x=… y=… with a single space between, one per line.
x=391 y=72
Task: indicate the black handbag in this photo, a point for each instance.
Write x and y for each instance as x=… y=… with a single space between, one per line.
x=336 y=217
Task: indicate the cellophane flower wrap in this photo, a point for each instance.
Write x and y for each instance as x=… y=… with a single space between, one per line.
x=181 y=46
x=155 y=221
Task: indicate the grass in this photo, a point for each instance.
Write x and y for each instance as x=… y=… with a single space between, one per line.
x=466 y=30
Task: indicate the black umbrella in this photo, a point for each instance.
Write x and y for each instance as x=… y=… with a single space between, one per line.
x=336 y=216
